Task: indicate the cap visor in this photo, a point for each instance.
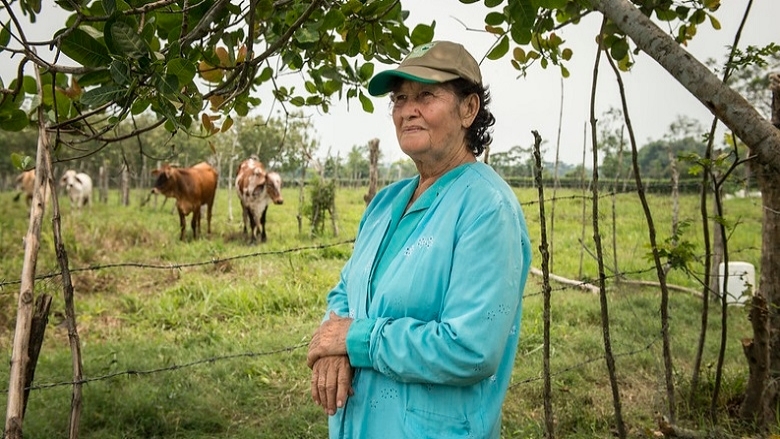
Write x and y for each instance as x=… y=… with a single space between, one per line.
x=382 y=83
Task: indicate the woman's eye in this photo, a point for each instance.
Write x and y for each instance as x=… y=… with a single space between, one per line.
x=398 y=98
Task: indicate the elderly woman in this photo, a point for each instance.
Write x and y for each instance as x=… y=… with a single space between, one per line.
x=421 y=331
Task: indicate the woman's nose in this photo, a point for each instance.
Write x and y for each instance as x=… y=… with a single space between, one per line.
x=410 y=109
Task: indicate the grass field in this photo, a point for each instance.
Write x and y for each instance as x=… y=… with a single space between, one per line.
x=206 y=338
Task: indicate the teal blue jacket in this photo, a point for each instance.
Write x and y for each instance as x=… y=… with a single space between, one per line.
x=434 y=343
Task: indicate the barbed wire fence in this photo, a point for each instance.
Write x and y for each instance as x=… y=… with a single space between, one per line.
x=279 y=350
x=177 y=266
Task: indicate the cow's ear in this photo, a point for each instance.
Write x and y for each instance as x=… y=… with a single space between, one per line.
x=78 y=180
x=155 y=172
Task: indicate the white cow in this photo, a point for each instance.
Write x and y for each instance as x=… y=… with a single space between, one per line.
x=78 y=186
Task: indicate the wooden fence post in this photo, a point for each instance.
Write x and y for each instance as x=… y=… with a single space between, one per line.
x=373 y=173
x=125 y=185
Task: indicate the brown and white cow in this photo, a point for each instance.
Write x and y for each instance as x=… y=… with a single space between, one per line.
x=78 y=186
x=257 y=189
x=25 y=184
x=192 y=188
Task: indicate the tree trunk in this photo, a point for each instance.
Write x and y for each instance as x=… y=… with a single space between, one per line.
x=769 y=291
x=759 y=134
x=727 y=105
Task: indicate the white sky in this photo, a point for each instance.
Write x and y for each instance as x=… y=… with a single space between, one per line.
x=533 y=102
x=521 y=105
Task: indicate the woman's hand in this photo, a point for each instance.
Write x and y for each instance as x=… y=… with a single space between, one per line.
x=329 y=339
x=331 y=382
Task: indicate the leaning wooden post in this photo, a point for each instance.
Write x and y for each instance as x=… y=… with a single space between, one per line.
x=103 y=183
x=125 y=185
x=373 y=174
x=24 y=314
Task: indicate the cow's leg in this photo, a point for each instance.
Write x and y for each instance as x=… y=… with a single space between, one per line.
x=245 y=214
x=182 y=225
x=195 y=223
x=263 y=237
x=252 y=225
x=208 y=216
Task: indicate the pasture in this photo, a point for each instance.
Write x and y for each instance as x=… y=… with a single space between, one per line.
x=207 y=338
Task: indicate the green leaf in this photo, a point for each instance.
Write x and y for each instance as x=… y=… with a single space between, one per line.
x=666 y=14
x=553 y=4
x=84 y=49
x=523 y=13
x=333 y=19
x=494 y=18
x=307 y=35
x=500 y=50
x=422 y=34
x=139 y=106
x=714 y=22
x=298 y=101
x=120 y=72
x=493 y=3
x=103 y=95
x=182 y=68
x=366 y=71
x=619 y=49
x=365 y=101
x=519 y=55
x=122 y=37
x=109 y=6
x=29 y=85
x=5 y=36
x=314 y=100
x=168 y=86
x=266 y=74
x=65 y=108
x=242 y=108
x=330 y=87
x=13 y=120
x=520 y=35
x=21 y=162
x=94 y=78
x=698 y=16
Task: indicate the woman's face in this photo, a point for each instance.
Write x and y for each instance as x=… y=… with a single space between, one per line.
x=431 y=121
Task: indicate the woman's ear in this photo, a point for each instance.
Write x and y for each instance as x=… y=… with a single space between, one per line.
x=469 y=107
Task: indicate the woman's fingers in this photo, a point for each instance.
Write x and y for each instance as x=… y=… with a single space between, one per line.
x=331 y=382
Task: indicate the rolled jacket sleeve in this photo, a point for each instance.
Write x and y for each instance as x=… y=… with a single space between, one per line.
x=358 y=342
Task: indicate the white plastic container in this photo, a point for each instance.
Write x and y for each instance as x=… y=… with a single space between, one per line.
x=740 y=283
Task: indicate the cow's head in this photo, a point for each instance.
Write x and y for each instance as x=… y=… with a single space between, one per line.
x=166 y=177
x=274 y=187
x=69 y=179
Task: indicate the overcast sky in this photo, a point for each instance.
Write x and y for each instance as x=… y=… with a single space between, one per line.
x=533 y=103
x=523 y=104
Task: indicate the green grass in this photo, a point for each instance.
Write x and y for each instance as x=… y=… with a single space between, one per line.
x=217 y=350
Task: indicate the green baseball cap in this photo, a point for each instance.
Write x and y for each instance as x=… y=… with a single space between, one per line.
x=430 y=63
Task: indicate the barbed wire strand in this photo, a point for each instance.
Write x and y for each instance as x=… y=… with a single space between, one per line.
x=179 y=266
